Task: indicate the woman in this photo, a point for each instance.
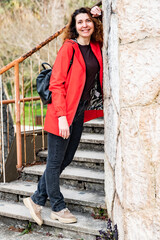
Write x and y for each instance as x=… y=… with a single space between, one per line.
x=73 y=89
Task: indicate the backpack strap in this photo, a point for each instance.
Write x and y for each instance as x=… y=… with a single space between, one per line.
x=45 y=63
x=71 y=61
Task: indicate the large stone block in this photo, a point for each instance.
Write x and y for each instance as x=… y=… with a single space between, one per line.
x=140 y=72
x=157 y=186
x=118 y=217
x=139 y=225
x=109 y=187
x=156 y=218
x=140 y=136
x=113 y=61
x=112 y=130
x=119 y=173
x=156 y=221
x=138 y=19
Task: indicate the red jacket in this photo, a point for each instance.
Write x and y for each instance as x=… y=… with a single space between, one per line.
x=67 y=88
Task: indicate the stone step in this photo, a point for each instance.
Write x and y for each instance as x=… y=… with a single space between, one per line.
x=81 y=178
x=94 y=126
x=98 y=122
x=70 y=173
x=75 y=199
x=93 y=138
x=85 y=158
x=92 y=141
x=81 y=156
x=85 y=228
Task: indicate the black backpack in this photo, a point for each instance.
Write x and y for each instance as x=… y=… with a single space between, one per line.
x=42 y=82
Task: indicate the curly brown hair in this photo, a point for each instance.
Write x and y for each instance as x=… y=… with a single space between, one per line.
x=71 y=32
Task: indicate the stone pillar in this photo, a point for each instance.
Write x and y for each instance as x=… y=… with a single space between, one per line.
x=132 y=116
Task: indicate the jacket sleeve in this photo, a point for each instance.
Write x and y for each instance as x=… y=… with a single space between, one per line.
x=58 y=79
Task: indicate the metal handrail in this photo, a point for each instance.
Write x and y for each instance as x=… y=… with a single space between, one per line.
x=17 y=99
x=28 y=54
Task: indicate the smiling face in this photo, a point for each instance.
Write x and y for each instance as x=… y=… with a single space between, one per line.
x=84 y=25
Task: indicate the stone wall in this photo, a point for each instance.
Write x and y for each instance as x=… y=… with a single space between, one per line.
x=132 y=116
x=8 y=129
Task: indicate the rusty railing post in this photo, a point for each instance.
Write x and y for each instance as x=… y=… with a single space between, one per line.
x=18 y=118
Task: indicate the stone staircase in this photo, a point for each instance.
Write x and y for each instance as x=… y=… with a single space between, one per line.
x=82 y=184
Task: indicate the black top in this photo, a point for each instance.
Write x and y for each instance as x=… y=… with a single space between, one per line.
x=92 y=68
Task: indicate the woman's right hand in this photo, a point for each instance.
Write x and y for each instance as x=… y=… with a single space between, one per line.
x=63 y=127
x=96 y=11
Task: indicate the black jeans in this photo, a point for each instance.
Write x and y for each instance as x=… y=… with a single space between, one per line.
x=60 y=155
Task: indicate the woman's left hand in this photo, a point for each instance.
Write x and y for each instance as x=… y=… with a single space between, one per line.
x=96 y=11
x=63 y=127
